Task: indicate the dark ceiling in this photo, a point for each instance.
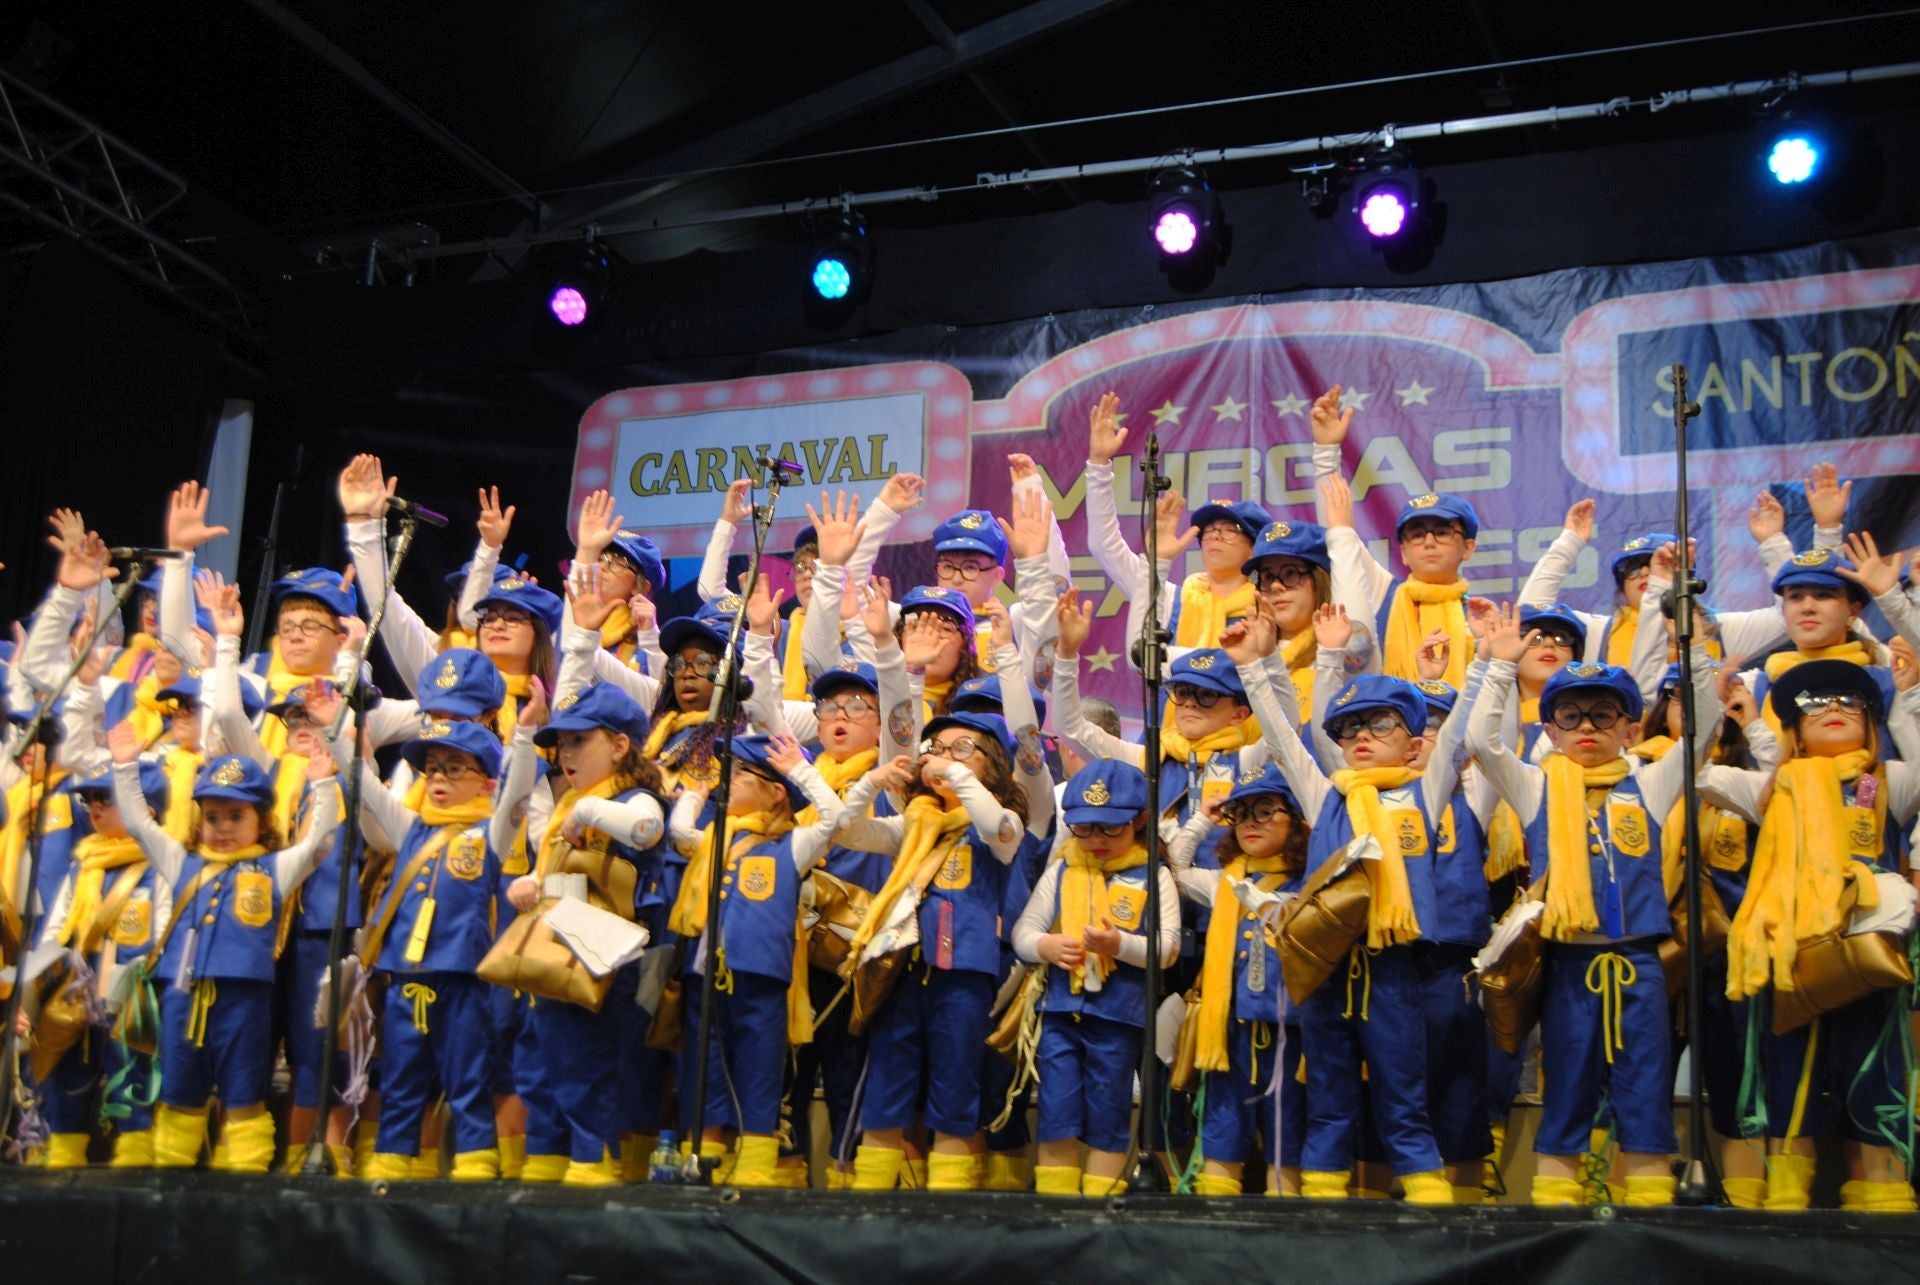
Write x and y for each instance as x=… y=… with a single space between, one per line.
x=297 y=121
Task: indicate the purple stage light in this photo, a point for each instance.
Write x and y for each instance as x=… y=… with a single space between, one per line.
x=1176 y=232
x=1383 y=214
x=568 y=305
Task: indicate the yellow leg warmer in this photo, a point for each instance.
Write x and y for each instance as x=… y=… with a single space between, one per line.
x=542 y=1169
x=1323 y=1184
x=599 y=1173
x=133 y=1150
x=1008 y=1171
x=1789 y=1182
x=1215 y=1184
x=426 y=1165
x=1889 y=1198
x=949 y=1173
x=758 y=1157
x=1555 y=1193
x=1429 y=1188
x=342 y=1160
x=839 y=1179
x=877 y=1168
x=1649 y=1191
x=178 y=1138
x=1091 y=1185
x=248 y=1144
x=1469 y=1196
x=67 y=1151
x=513 y=1155
x=363 y=1144
x=1056 y=1180
x=1853 y=1196
x=387 y=1166
x=977 y=1175
x=792 y=1175
x=476 y=1166
x=1745 y=1193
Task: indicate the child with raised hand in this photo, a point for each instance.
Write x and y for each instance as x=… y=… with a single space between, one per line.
x=432 y=927
x=961 y=828
x=631 y=574
x=789 y=659
x=1085 y=922
x=761 y=1005
x=217 y=949
x=1265 y=845
x=1610 y=638
x=1593 y=819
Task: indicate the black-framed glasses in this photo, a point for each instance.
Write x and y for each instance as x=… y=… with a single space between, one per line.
x=960 y=747
x=804 y=566
x=504 y=616
x=308 y=628
x=770 y=780
x=965 y=572
x=701 y=666
x=1552 y=638
x=1286 y=576
x=1569 y=717
x=851 y=708
x=1259 y=811
x=1379 y=725
x=296 y=719
x=449 y=769
x=1087 y=829
x=1820 y=702
x=1438 y=532
x=91 y=800
x=1222 y=528
x=1194 y=697
x=613 y=560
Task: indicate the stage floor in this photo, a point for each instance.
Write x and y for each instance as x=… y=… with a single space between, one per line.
x=78 y=1228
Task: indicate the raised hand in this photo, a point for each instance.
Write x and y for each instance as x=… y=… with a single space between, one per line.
x=363 y=492
x=1076 y=622
x=838 y=527
x=783 y=753
x=1021 y=467
x=1827 y=495
x=1174 y=540
x=1870 y=571
x=1580 y=519
x=1734 y=697
x=876 y=612
x=735 y=508
x=894 y=775
x=83 y=555
x=1661 y=568
x=1906 y=667
x=921 y=639
x=187 y=527
x=1430 y=662
x=1339 y=500
x=1766 y=518
x=123 y=743
x=536 y=711
x=1329 y=422
x=494 y=521
x=229 y=617
x=590 y=606
x=763 y=607
x=1331 y=628
x=997 y=615
x=645 y=616
x=902 y=493
x=1507 y=640
x=1105 y=436
x=322 y=702
x=598 y=525
x=1027 y=533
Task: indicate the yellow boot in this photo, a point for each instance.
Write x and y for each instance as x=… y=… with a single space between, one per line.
x=1789 y=1182
x=1429 y=1188
x=949 y=1173
x=1008 y=1171
x=914 y=1175
x=1469 y=1196
x=1092 y=1185
x=1215 y=1184
x=1853 y=1196
x=178 y=1137
x=426 y=1165
x=792 y=1174
x=1555 y=1193
x=759 y=1156
x=839 y=1179
x=1324 y=1184
x=977 y=1176
x=476 y=1166
x=67 y=1151
x=1056 y=1180
x=1889 y=1198
x=636 y=1155
x=133 y=1150
x=387 y=1166
x=1492 y=1176
x=542 y=1169
x=1650 y=1191
x=342 y=1160
x=1745 y=1193
x=513 y=1155
x=365 y=1138
x=723 y=1172
x=249 y=1143
x=877 y=1168
x=599 y=1173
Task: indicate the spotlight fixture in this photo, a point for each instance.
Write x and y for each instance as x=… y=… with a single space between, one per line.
x=1187 y=222
x=841 y=268
x=1387 y=198
x=573 y=286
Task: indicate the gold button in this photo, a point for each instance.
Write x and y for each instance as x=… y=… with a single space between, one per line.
x=207 y=920
x=421 y=886
x=214 y=904
x=726 y=879
x=723 y=894
x=1243 y=954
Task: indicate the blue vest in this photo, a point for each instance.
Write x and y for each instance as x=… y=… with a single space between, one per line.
x=1462 y=906
x=1729 y=863
x=463 y=880
x=759 y=910
x=133 y=930
x=967 y=890
x=1250 y=1005
x=63 y=826
x=1332 y=831
x=1122 y=996
x=232 y=920
x=1628 y=893
x=1889 y=852
x=1022 y=875
x=320 y=894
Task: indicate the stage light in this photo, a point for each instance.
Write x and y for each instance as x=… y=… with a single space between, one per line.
x=840 y=271
x=1387 y=199
x=573 y=283
x=1794 y=157
x=1384 y=211
x=1176 y=232
x=831 y=278
x=1188 y=225
x=568 y=305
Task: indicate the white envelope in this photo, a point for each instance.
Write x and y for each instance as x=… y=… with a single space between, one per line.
x=601 y=941
x=1894 y=914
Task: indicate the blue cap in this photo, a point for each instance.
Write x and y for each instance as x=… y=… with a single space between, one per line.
x=644 y=554
x=1671 y=679
x=752 y=751
x=518 y=591
x=1440 y=697
x=1306 y=541
x=1449 y=508
x=847 y=673
x=1591 y=676
x=1376 y=691
x=971 y=531
x=935 y=598
x=808 y=535
x=1823 y=676
x=982 y=694
x=708 y=627
x=602 y=705
x=1557 y=618
x=320 y=584
x=468 y=738
x=1104 y=792
x=1818 y=567
x=53 y=731
x=1265 y=780
x=153 y=784
x=236 y=777
x=1208 y=668
x=151 y=584
x=297 y=698
x=462 y=682
x=992 y=724
x=1251 y=517
x=188 y=686
x=1641 y=546
x=457 y=580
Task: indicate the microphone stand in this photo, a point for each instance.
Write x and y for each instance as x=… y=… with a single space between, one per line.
x=1150 y=651
x=39 y=730
x=1698 y=1184
x=699 y=1170
x=319 y=1159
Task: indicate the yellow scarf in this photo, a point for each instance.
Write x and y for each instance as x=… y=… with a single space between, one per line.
x=617 y=630
x=138 y=647
x=148 y=715
x=252 y=852
x=97 y=854
x=281 y=683
x=839 y=774
x=1418 y=609
x=1506 y=837
x=1781 y=661
x=1801 y=865
x=931 y=833
x=665 y=726
x=461 y=815
x=1653 y=749
x=519 y=687
x=934 y=697
x=1390 y=917
x=1084 y=901
x=1626 y=623
x=553 y=848
x=793 y=671
x=1569 y=878
x=1234 y=736
x=22 y=797
x=1223 y=939
x=1205 y=612
x=1298 y=653
x=183 y=769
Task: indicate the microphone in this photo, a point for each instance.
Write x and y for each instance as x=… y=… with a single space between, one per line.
x=418 y=511
x=787 y=470
x=134 y=553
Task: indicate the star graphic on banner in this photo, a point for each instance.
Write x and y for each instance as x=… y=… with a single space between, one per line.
x=1229 y=409
x=1100 y=660
x=1167 y=412
x=1354 y=399
x=1290 y=405
x=1414 y=394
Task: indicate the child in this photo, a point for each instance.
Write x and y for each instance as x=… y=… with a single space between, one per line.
x=1610 y=638
x=631 y=574
x=217 y=950
x=761 y=1004
x=1085 y=921
x=1593 y=822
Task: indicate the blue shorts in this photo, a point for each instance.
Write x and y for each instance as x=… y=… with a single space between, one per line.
x=1574 y=1071
x=1375 y=1016
x=1456 y=1051
x=1087 y=1066
x=1237 y=1123
x=454 y=1054
x=235 y=1057
x=924 y=1046
x=747 y=1059
x=1851 y=1064
x=302 y=970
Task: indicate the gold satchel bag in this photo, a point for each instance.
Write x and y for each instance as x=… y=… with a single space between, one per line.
x=838 y=904
x=1833 y=970
x=1320 y=927
x=529 y=957
x=61 y=1023
x=870 y=984
x=1004 y=1038
x=1510 y=989
x=1186 y=1046
x=1714 y=926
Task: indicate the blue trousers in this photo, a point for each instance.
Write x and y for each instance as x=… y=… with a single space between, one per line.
x=1855 y=1075
x=509 y=1012
x=296 y=989
x=1086 y=1079
x=747 y=1058
x=454 y=1053
x=924 y=1048
x=1375 y=1017
x=1237 y=1122
x=575 y=1055
x=833 y=1061
x=1574 y=1068
x=1456 y=1051
x=235 y=1057
x=1723 y=1029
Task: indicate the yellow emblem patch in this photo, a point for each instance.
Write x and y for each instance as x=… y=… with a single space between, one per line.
x=1812 y=558
x=1278 y=531
x=438 y=728
x=1586 y=669
x=956 y=872
x=253 y=898
x=1125 y=905
x=1423 y=501
x=849 y=665
x=1863 y=833
x=1096 y=794
x=467 y=857
x=1251 y=775
x=1434 y=687
x=135 y=925
x=1627 y=822
x=568 y=701
x=757 y=877
x=229 y=773
x=512 y=584
x=1412 y=829
x=449 y=675
x=1347 y=696
x=729 y=605
x=1638 y=542
x=1447 y=841
x=1728 y=848
x=973 y=521
x=1201 y=663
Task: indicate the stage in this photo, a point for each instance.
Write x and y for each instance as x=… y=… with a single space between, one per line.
x=78 y=1228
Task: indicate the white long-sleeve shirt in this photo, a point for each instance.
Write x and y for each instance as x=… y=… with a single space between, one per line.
x=996 y=823
x=809 y=843
x=1036 y=921
x=290 y=865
